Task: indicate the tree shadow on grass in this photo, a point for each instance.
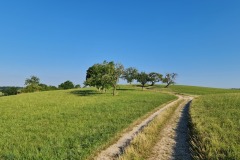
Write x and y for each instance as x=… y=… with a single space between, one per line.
x=125 y=89
x=85 y=92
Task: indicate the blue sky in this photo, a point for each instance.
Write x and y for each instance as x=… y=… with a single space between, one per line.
x=58 y=40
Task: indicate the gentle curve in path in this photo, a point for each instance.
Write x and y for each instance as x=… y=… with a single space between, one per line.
x=117 y=149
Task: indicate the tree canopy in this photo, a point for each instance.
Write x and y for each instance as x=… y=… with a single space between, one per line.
x=130 y=74
x=155 y=77
x=169 y=79
x=143 y=78
x=32 y=84
x=104 y=75
x=66 y=85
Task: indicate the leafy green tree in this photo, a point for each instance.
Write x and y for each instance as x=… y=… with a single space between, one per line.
x=32 y=84
x=45 y=87
x=104 y=76
x=77 y=86
x=130 y=74
x=52 y=87
x=169 y=79
x=33 y=80
x=143 y=78
x=66 y=85
x=154 y=77
x=95 y=77
x=10 y=91
x=115 y=72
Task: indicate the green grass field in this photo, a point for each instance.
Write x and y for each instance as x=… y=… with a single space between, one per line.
x=216 y=123
x=72 y=124
x=193 y=90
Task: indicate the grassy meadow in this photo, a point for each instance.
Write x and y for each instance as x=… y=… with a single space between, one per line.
x=216 y=126
x=71 y=124
x=193 y=90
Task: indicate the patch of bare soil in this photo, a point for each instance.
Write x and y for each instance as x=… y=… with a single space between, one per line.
x=173 y=141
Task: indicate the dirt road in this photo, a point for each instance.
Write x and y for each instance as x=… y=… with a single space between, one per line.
x=173 y=140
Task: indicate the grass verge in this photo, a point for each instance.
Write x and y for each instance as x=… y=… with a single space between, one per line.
x=142 y=145
x=216 y=126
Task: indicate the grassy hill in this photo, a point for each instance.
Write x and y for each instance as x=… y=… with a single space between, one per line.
x=72 y=124
x=76 y=124
x=193 y=90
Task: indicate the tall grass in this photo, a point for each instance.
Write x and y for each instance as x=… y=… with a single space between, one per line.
x=141 y=147
x=71 y=124
x=216 y=126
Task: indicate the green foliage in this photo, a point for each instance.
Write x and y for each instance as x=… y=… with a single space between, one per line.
x=169 y=79
x=10 y=91
x=155 y=77
x=104 y=76
x=130 y=74
x=32 y=84
x=45 y=87
x=33 y=80
x=66 y=85
x=77 y=86
x=143 y=78
x=216 y=121
x=68 y=124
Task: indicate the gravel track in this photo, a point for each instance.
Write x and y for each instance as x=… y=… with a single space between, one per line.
x=173 y=140
x=115 y=150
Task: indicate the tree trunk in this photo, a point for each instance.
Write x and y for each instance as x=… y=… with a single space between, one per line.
x=167 y=85
x=152 y=84
x=114 y=90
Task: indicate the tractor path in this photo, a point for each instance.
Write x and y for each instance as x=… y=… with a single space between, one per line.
x=173 y=140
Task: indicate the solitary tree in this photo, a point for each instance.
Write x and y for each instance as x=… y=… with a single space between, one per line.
x=104 y=75
x=154 y=77
x=32 y=84
x=33 y=80
x=66 y=85
x=143 y=78
x=130 y=74
x=169 y=79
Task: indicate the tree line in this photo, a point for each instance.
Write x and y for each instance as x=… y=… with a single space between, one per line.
x=33 y=84
x=107 y=74
x=103 y=76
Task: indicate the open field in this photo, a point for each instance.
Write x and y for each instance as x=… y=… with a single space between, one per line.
x=216 y=126
x=193 y=90
x=72 y=124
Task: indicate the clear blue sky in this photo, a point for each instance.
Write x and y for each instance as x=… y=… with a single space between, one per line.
x=58 y=40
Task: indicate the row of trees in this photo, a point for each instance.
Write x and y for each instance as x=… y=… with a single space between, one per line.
x=107 y=74
x=33 y=84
